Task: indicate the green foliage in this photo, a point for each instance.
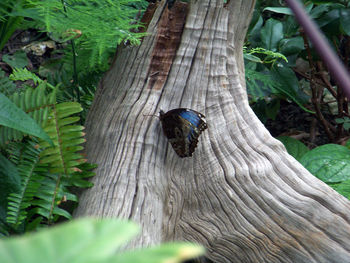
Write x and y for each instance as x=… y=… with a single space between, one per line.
x=330 y=162
x=270 y=56
x=274 y=28
x=86 y=97
x=330 y=168
x=299 y=78
x=7 y=87
x=271 y=62
x=17 y=60
x=20 y=200
x=15 y=122
x=294 y=147
x=10 y=182
x=46 y=170
x=89 y=32
x=265 y=109
x=97 y=27
x=90 y=241
x=289 y=86
x=342 y=188
x=260 y=84
x=345 y=121
x=8 y=23
x=67 y=137
x=34 y=102
x=23 y=74
x=171 y=252
x=271 y=34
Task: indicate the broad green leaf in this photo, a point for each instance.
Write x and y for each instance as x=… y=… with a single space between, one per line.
x=328 y=18
x=254 y=32
x=286 y=10
x=330 y=163
x=62 y=212
x=290 y=27
x=279 y=10
x=90 y=241
x=289 y=85
x=271 y=34
x=319 y=11
x=345 y=20
x=342 y=188
x=172 y=252
x=346 y=126
x=78 y=241
x=17 y=60
x=291 y=46
x=294 y=147
x=323 y=1
x=308 y=8
x=13 y=117
x=252 y=58
x=10 y=181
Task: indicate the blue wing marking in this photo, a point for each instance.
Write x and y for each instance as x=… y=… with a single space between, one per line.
x=194 y=119
x=191 y=117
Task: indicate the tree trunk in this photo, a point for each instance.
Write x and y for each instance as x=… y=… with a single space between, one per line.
x=240 y=195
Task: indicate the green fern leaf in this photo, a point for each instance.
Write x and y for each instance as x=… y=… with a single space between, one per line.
x=62 y=158
x=260 y=85
x=35 y=103
x=24 y=74
x=62 y=212
x=78 y=179
x=95 y=46
x=20 y=201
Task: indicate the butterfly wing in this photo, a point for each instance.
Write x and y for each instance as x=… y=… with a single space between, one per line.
x=182 y=127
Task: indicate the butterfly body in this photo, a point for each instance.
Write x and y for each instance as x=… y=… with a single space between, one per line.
x=182 y=127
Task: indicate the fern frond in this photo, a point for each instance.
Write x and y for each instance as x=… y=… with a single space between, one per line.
x=67 y=137
x=260 y=85
x=103 y=25
x=45 y=201
x=33 y=101
x=24 y=74
x=20 y=201
x=78 y=178
x=5 y=9
x=62 y=159
x=270 y=56
x=49 y=196
x=58 y=168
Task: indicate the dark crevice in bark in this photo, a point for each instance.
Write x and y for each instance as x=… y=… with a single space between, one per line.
x=168 y=38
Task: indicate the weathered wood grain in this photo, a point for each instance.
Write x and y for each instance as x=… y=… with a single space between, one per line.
x=241 y=195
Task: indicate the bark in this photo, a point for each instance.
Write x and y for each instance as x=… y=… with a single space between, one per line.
x=240 y=195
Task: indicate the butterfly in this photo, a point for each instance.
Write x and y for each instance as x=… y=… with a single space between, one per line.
x=182 y=127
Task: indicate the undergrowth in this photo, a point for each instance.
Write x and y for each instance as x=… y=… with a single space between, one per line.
x=46 y=170
x=41 y=111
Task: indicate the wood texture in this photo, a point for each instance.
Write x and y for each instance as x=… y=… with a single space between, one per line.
x=240 y=195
